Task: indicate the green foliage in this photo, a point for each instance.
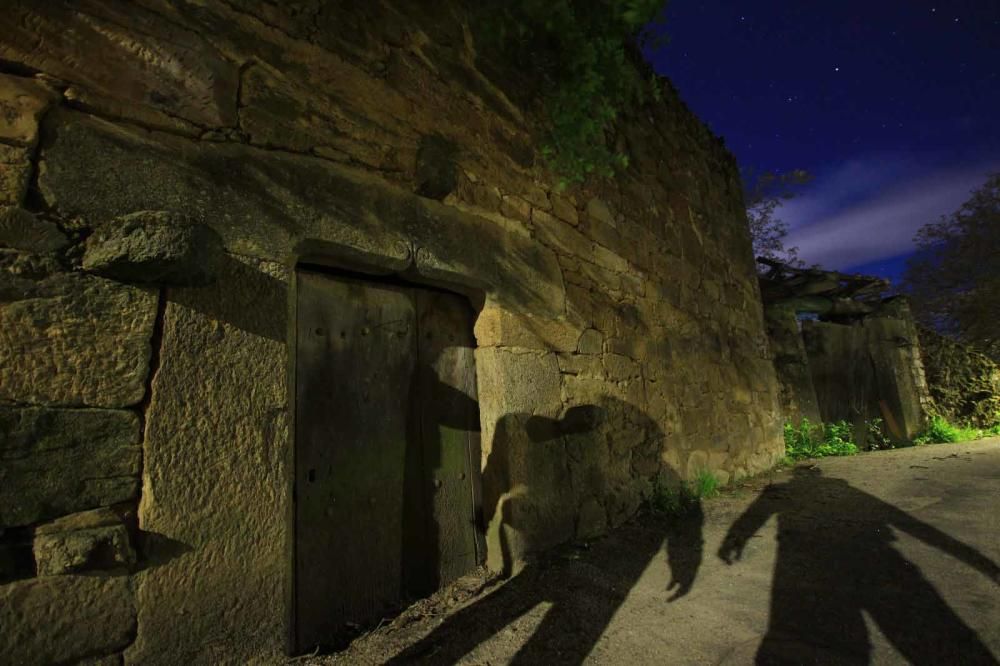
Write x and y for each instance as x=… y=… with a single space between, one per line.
x=994 y=430
x=816 y=440
x=763 y=194
x=705 y=484
x=579 y=48
x=940 y=431
x=676 y=501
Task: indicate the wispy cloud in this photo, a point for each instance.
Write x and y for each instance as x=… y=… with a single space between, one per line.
x=870 y=208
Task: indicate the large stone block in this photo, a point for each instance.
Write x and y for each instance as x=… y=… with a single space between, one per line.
x=564 y=209
x=57 y=461
x=561 y=236
x=154 y=247
x=898 y=374
x=22 y=102
x=591 y=342
x=278 y=206
x=215 y=473
x=277 y=112
x=90 y=540
x=70 y=339
x=516 y=381
x=62 y=619
x=126 y=54
x=498 y=327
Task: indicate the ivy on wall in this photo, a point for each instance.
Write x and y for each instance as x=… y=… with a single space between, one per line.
x=578 y=49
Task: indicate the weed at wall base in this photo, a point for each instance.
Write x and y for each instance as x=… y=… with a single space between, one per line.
x=669 y=501
x=818 y=440
x=705 y=484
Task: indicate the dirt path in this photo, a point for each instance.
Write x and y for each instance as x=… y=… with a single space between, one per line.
x=884 y=557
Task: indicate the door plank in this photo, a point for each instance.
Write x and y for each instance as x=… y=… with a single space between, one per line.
x=450 y=437
x=355 y=360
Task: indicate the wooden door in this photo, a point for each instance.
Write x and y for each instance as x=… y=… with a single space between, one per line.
x=449 y=436
x=387 y=451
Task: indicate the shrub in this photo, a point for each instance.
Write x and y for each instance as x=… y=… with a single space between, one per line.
x=817 y=440
x=940 y=431
x=578 y=48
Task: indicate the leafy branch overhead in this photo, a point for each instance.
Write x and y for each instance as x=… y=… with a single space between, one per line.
x=763 y=194
x=954 y=279
x=579 y=49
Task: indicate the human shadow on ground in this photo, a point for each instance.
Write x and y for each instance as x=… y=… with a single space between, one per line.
x=836 y=561
x=583 y=586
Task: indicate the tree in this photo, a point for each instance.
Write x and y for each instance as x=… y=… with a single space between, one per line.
x=954 y=279
x=763 y=194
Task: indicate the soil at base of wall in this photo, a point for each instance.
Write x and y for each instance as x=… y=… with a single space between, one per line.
x=437 y=629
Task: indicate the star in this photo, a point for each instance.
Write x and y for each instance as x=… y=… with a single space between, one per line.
x=836 y=69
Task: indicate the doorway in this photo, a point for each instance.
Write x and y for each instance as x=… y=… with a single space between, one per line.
x=387 y=451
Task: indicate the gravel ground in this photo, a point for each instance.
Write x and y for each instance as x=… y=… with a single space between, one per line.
x=886 y=557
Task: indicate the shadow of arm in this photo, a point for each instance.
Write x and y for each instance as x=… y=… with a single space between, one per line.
x=685 y=547
x=746 y=526
x=946 y=543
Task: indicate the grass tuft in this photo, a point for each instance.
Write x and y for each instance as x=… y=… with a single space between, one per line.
x=667 y=500
x=705 y=484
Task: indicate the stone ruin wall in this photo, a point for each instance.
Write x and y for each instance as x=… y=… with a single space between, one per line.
x=145 y=426
x=854 y=371
x=797 y=394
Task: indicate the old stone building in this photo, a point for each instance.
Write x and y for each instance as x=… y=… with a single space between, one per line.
x=295 y=325
x=854 y=357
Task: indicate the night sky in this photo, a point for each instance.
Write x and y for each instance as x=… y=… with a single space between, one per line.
x=893 y=106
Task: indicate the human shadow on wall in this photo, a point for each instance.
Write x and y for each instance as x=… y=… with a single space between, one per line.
x=583 y=592
x=440 y=540
x=835 y=561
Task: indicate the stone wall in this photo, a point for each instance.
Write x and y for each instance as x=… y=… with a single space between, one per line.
x=964 y=384
x=791 y=363
x=167 y=164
